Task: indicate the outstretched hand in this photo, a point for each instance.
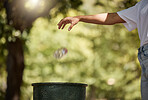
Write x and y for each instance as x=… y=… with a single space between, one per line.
x=68 y=20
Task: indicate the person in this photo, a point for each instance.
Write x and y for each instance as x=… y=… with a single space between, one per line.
x=132 y=18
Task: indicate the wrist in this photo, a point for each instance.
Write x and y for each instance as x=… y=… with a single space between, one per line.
x=79 y=18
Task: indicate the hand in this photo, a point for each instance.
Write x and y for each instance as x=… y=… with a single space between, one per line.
x=68 y=20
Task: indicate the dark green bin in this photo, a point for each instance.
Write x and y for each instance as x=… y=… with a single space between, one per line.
x=59 y=91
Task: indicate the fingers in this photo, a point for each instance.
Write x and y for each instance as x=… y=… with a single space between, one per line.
x=64 y=21
x=63 y=26
x=60 y=24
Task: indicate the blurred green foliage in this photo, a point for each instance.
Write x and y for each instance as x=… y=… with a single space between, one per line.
x=104 y=57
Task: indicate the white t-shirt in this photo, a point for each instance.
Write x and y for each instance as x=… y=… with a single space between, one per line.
x=137 y=17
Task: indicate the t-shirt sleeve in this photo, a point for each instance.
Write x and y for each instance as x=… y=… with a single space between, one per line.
x=130 y=16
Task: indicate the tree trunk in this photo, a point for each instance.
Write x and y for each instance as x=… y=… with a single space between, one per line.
x=15 y=68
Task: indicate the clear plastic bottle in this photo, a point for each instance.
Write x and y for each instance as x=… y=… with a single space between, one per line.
x=58 y=54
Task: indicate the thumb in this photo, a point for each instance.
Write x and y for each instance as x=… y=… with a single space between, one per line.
x=70 y=27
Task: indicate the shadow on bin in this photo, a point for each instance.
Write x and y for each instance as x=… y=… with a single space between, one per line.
x=59 y=91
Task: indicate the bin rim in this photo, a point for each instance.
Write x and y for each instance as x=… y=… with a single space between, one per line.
x=59 y=83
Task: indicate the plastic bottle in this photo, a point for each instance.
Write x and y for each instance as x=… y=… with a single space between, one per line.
x=58 y=54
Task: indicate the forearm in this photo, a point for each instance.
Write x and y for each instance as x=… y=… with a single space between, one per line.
x=103 y=19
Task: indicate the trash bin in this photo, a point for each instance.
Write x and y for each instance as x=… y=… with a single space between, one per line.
x=59 y=91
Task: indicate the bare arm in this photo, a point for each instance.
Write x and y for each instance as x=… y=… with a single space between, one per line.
x=103 y=19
